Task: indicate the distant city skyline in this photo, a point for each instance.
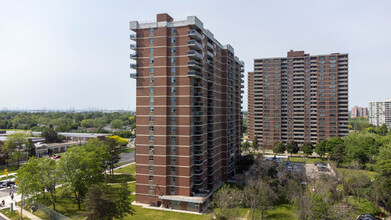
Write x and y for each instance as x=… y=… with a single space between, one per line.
x=63 y=54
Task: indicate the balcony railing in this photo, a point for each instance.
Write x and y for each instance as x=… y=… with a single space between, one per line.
x=193 y=63
x=133 y=56
x=195 y=54
x=133 y=36
x=195 y=34
x=133 y=46
x=133 y=75
x=194 y=44
x=194 y=73
x=133 y=66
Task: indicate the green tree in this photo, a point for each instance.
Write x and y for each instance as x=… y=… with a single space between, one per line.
x=226 y=199
x=246 y=146
x=14 y=144
x=30 y=148
x=28 y=181
x=383 y=178
x=321 y=148
x=100 y=204
x=307 y=149
x=114 y=150
x=123 y=204
x=50 y=135
x=337 y=154
x=292 y=147
x=255 y=144
x=279 y=148
x=320 y=209
x=258 y=195
x=116 y=124
x=83 y=166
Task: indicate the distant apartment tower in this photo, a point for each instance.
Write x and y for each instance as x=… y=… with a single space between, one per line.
x=380 y=113
x=189 y=95
x=299 y=98
x=359 y=112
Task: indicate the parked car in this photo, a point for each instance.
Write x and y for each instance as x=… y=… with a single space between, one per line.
x=7 y=184
x=55 y=156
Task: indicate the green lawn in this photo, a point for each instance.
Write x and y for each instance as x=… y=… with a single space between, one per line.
x=283 y=211
x=346 y=171
x=10 y=169
x=304 y=160
x=131 y=169
x=120 y=178
x=12 y=215
x=142 y=213
x=363 y=207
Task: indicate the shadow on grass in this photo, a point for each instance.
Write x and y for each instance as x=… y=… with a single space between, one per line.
x=120 y=178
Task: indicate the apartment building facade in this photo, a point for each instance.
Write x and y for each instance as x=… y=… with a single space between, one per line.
x=189 y=94
x=359 y=112
x=380 y=113
x=299 y=98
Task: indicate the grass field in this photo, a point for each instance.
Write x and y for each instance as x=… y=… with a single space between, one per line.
x=305 y=160
x=12 y=215
x=131 y=169
x=370 y=174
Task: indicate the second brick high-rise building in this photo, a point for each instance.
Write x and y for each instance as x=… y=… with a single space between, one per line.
x=188 y=112
x=299 y=98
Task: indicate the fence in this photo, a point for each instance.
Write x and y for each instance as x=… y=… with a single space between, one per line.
x=53 y=215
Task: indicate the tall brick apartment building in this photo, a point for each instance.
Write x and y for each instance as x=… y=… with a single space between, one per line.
x=188 y=112
x=299 y=98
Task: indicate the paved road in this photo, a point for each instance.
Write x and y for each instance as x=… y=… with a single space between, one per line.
x=127 y=157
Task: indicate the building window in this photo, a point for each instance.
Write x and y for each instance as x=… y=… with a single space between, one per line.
x=172 y=89
x=151 y=80
x=173 y=138
x=172 y=79
x=172 y=49
x=151 y=99
x=172 y=169
x=151 y=158
x=173 y=177
x=151 y=109
x=172 y=190
x=150 y=167
x=173 y=30
x=151 y=40
x=173 y=40
x=151 y=148
x=151 y=70
x=150 y=177
x=151 y=60
x=151 y=30
x=150 y=188
x=151 y=118
x=151 y=128
x=172 y=109
x=151 y=90
x=173 y=100
x=172 y=59
x=173 y=69
x=150 y=138
x=150 y=50
x=172 y=129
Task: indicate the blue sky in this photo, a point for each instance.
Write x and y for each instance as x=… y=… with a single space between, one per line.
x=75 y=53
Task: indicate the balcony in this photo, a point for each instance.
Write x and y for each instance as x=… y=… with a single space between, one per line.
x=133 y=66
x=133 y=75
x=194 y=63
x=210 y=46
x=133 y=56
x=194 y=73
x=194 y=54
x=194 y=45
x=209 y=53
x=133 y=46
x=133 y=37
x=195 y=34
